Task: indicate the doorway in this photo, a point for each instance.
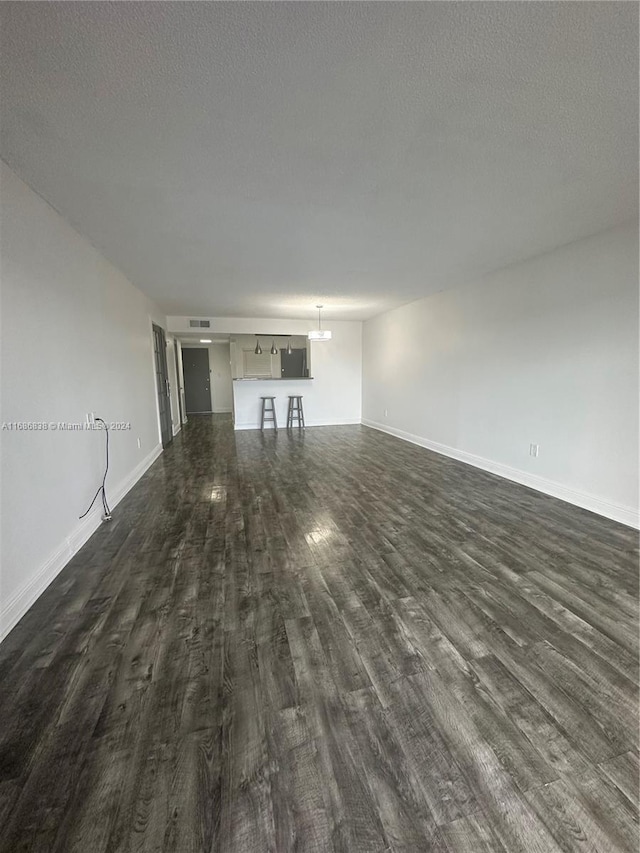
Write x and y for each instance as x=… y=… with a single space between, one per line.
x=293 y=365
x=197 y=380
x=162 y=385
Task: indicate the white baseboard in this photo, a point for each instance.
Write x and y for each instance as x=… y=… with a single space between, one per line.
x=617 y=512
x=269 y=426
x=22 y=599
x=222 y=411
x=176 y=429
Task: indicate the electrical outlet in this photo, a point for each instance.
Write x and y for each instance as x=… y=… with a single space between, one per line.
x=139 y=444
x=386 y=413
x=91 y=418
x=534 y=449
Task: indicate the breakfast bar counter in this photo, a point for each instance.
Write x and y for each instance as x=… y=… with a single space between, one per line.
x=247 y=403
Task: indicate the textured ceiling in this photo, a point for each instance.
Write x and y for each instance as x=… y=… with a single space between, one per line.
x=252 y=159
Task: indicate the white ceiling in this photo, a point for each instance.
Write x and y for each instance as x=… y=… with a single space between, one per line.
x=253 y=159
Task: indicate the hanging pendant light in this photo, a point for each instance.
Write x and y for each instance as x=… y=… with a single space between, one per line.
x=289 y=347
x=273 y=350
x=318 y=334
x=258 y=349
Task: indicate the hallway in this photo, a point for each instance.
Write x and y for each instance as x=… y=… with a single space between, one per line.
x=326 y=640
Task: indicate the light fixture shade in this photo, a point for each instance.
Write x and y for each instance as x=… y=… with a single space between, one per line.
x=274 y=349
x=319 y=334
x=258 y=349
x=289 y=348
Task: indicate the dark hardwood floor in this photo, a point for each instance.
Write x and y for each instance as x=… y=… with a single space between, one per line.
x=330 y=640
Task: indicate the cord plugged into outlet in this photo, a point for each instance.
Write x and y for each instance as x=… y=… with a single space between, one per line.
x=102 y=491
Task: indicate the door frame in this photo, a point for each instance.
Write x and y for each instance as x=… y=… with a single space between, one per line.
x=166 y=429
x=180 y=389
x=183 y=348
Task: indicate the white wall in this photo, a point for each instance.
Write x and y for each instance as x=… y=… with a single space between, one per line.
x=541 y=352
x=62 y=298
x=221 y=388
x=334 y=396
x=174 y=384
x=183 y=403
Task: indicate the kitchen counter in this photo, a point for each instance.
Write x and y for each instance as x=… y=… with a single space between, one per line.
x=247 y=404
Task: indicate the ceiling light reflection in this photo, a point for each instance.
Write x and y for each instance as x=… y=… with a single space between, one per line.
x=217 y=494
x=320 y=535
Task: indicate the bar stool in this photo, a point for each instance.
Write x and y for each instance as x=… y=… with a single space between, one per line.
x=295 y=411
x=268 y=412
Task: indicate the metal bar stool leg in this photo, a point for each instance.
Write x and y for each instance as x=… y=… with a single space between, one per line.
x=268 y=413
x=295 y=411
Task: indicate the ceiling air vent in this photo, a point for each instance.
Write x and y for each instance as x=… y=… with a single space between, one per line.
x=200 y=324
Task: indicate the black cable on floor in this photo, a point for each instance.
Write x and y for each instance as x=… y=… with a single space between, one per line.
x=102 y=490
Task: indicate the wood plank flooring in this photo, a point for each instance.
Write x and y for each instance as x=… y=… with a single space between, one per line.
x=322 y=641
